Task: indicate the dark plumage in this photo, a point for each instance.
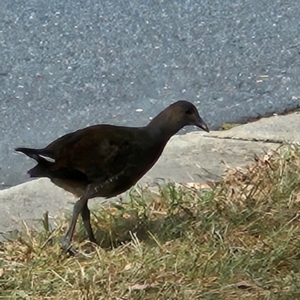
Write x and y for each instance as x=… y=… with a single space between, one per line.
x=106 y=160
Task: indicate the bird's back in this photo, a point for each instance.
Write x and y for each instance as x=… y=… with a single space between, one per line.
x=111 y=157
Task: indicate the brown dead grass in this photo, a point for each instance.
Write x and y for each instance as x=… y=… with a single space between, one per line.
x=236 y=239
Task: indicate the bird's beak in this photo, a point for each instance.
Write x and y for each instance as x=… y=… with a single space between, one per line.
x=201 y=124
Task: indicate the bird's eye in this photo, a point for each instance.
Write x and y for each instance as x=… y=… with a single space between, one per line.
x=188 y=111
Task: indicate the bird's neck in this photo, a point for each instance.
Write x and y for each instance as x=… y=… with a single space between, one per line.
x=162 y=126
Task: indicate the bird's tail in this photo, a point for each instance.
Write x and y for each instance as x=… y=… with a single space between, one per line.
x=43 y=159
x=32 y=153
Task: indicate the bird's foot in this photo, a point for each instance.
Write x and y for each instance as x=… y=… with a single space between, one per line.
x=93 y=240
x=67 y=247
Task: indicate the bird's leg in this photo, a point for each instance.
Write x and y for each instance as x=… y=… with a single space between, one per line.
x=85 y=214
x=78 y=207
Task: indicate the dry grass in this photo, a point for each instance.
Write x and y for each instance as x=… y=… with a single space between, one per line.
x=238 y=239
x=227 y=126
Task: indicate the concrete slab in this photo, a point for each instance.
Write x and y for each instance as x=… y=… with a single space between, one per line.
x=279 y=129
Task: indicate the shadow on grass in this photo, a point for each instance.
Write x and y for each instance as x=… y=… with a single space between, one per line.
x=151 y=216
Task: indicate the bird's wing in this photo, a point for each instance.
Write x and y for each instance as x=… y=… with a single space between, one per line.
x=100 y=153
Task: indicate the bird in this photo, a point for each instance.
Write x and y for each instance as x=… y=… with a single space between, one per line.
x=106 y=160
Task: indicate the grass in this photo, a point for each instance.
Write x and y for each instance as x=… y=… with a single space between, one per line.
x=227 y=126
x=235 y=239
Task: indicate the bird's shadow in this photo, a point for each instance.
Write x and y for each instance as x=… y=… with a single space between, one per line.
x=162 y=215
x=151 y=215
